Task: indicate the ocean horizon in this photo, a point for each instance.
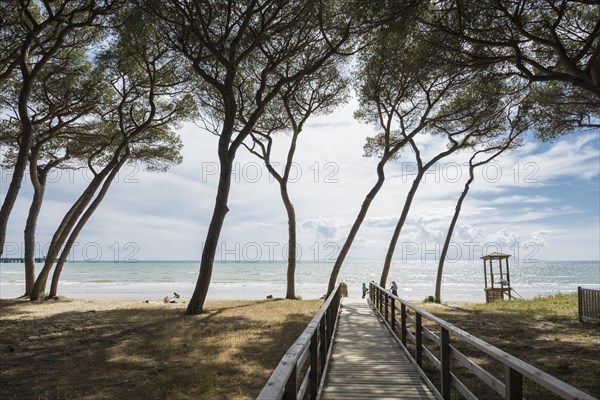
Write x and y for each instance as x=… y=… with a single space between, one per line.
x=463 y=280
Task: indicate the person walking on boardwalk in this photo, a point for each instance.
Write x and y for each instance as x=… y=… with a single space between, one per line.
x=365 y=290
x=394 y=288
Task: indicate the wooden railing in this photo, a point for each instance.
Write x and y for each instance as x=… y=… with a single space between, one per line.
x=588 y=301
x=312 y=346
x=394 y=311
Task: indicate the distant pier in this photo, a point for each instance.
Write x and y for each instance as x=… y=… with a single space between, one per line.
x=20 y=260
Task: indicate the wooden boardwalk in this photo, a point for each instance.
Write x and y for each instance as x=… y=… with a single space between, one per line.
x=367 y=363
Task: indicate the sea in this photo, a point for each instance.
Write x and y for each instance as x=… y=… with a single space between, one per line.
x=151 y=280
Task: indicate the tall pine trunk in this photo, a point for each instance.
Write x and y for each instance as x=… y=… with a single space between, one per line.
x=80 y=225
x=212 y=237
x=22 y=156
x=64 y=229
x=364 y=208
x=357 y=223
x=411 y=194
x=463 y=195
x=515 y=132
x=291 y=214
x=399 y=225
x=38 y=180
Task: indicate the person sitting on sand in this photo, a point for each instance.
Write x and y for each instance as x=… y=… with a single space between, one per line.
x=394 y=288
x=170 y=300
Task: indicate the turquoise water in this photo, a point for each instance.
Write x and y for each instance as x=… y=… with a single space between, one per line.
x=416 y=280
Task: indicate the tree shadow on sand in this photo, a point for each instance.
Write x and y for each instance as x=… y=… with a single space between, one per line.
x=148 y=353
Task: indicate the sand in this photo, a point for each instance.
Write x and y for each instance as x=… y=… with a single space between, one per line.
x=112 y=348
x=26 y=310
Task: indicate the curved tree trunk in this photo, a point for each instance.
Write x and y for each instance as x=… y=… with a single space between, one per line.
x=64 y=229
x=38 y=180
x=80 y=225
x=21 y=163
x=357 y=223
x=515 y=132
x=411 y=194
x=289 y=208
x=11 y=197
x=212 y=237
x=49 y=262
x=463 y=195
x=399 y=225
x=291 y=214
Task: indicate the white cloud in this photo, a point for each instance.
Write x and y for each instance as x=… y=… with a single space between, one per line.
x=467 y=233
x=380 y=222
x=505 y=238
x=429 y=234
x=516 y=199
x=323 y=227
x=540 y=237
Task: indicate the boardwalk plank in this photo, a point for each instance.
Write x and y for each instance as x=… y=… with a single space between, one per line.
x=367 y=363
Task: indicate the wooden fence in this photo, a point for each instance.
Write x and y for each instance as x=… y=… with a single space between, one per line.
x=312 y=346
x=391 y=308
x=588 y=301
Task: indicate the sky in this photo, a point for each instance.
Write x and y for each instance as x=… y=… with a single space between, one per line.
x=539 y=202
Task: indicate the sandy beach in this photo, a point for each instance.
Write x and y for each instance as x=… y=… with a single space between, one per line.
x=26 y=310
x=112 y=348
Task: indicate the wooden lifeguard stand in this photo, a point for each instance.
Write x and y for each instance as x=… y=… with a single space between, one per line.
x=493 y=293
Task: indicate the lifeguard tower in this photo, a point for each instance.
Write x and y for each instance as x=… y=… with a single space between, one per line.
x=493 y=293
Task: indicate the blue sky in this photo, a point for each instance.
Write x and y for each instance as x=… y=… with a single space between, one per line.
x=541 y=201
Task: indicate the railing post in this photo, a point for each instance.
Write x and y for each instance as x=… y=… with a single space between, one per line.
x=373 y=298
x=513 y=383
x=313 y=343
x=387 y=303
x=579 y=303
x=291 y=386
x=328 y=318
x=445 y=361
x=326 y=323
x=323 y=342
x=403 y=323
x=314 y=365
x=419 y=339
x=393 y=312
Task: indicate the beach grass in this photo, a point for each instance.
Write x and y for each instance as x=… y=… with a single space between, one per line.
x=107 y=349
x=544 y=332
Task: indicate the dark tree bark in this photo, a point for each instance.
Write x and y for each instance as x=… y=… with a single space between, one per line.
x=212 y=237
x=443 y=254
x=319 y=93
x=555 y=41
x=244 y=55
x=498 y=150
x=291 y=216
x=38 y=181
x=81 y=224
x=38 y=175
x=392 y=246
x=66 y=225
x=356 y=225
x=422 y=169
x=20 y=167
x=42 y=40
